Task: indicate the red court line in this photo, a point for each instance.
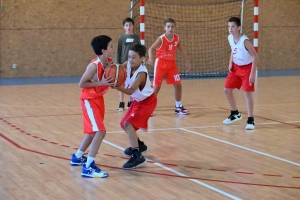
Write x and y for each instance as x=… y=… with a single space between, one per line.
x=244 y=172
x=156 y=173
x=274 y=120
x=272 y=175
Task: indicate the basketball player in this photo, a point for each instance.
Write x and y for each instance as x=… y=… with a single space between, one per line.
x=165 y=63
x=138 y=86
x=126 y=41
x=94 y=87
x=242 y=72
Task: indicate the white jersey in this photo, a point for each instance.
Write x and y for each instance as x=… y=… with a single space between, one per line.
x=138 y=95
x=240 y=55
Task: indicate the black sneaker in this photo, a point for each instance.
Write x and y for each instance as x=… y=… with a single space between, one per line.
x=121 y=107
x=129 y=104
x=143 y=149
x=136 y=160
x=250 y=124
x=232 y=118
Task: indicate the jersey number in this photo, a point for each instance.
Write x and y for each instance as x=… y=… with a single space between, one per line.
x=170 y=46
x=177 y=77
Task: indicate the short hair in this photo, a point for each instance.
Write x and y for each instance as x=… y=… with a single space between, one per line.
x=100 y=42
x=140 y=49
x=169 y=20
x=236 y=20
x=128 y=19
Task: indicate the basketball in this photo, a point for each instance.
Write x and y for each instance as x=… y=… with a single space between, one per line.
x=117 y=72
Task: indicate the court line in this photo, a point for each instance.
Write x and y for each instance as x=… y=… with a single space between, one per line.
x=241 y=147
x=180 y=174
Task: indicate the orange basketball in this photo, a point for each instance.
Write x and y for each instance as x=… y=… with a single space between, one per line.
x=117 y=72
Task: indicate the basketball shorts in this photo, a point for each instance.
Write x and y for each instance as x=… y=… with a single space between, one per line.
x=240 y=78
x=165 y=68
x=93 y=115
x=139 y=113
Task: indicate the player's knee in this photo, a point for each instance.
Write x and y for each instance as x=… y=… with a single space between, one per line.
x=227 y=91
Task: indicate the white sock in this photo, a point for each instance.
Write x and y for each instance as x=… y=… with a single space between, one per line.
x=89 y=161
x=79 y=153
x=178 y=103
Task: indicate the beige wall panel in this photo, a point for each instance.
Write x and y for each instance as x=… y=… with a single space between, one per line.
x=280 y=13
x=281 y=48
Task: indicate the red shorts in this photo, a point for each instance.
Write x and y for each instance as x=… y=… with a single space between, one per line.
x=166 y=68
x=139 y=113
x=240 y=77
x=93 y=115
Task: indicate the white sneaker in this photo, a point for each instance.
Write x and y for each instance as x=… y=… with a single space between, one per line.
x=250 y=125
x=233 y=118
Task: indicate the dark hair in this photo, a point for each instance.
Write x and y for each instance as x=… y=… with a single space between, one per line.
x=100 y=42
x=169 y=20
x=236 y=20
x=140 y=49
x=128 y=19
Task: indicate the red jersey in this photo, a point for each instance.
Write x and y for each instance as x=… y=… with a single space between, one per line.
x=94 y=92
x=167 y=49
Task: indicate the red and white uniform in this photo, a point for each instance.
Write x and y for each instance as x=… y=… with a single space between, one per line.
x=92 y=102
x=165 y=63
x=144 y=101
x=241 y=66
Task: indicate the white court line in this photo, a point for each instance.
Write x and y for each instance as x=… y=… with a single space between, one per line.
x=241 y=147
x=181 y=174
x=165 y=129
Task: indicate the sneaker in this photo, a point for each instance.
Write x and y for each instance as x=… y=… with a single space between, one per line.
x=233 y=118
x=77 y=161
x=143 y=149
x=129 y=104
x=121 y=107
x=136 y=160
x=250 y=124
x=93 y=171
x=181 y=111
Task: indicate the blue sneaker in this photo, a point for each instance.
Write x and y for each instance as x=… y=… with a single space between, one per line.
x=77 y=161
x=93 y=171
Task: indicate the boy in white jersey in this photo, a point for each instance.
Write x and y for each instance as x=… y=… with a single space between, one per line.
x=242 y=72
x=138 y=86
x=165 y=63
x=126 y=41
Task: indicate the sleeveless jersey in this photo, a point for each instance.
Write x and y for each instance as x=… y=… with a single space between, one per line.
x=138 y=95
x=167 y=49
x=240 y=55
x=94 y=92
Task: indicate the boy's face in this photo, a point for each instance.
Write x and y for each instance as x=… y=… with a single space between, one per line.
x=109 y=51
x=134 y=59
x=170 y=28
x=233 y=28
x=128 y=26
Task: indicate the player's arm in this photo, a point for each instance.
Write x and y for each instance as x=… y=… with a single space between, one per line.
x=151 y=51
x=230 y=63
x=140 y=79
x=253 y=53
x=88 y=74
x=184 y=56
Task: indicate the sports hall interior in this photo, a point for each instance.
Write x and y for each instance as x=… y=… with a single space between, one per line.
x=189 y=157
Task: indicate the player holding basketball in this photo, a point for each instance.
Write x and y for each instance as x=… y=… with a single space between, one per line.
x=92 y=102
x=242 y=72
x=138 y=86
x=165 y=63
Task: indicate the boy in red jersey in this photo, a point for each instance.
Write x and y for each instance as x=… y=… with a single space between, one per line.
x=138 y=86
x=92 y=102
x=165 y=63
x=242 y=72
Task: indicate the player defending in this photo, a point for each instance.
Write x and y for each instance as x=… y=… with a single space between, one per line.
x=92 y=102
x=125 y=42
x=165 y=63
x=138 y=86
x=242 y=72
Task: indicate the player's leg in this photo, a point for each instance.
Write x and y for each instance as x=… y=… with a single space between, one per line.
x=233 y=81
x=130 y=100
x=121 y=107
x=78 y=158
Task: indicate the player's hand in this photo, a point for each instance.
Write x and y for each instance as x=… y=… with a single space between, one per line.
x=252 y=79
x=107 y=81
x=229 y=68
x=110 y=63
x=150 y=62
x=187 y=66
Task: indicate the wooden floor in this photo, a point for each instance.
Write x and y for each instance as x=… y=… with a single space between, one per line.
x=189 y=157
